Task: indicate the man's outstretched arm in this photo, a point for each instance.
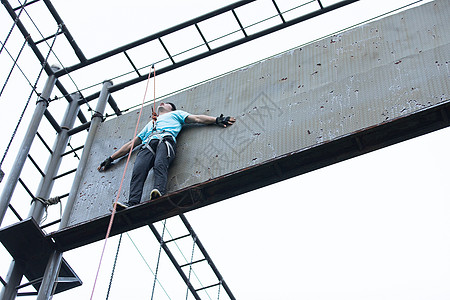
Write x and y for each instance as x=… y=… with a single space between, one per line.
x=204 y=119
x=119 y=153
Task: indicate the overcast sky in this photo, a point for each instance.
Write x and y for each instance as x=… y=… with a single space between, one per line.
x=373 y=227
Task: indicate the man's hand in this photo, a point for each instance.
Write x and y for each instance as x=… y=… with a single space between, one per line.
x=225 y=121
x=105 y=164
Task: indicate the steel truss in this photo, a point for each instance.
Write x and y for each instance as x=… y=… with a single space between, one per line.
x=76 y=99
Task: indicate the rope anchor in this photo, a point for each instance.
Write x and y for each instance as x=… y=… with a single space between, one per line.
x=47 y=203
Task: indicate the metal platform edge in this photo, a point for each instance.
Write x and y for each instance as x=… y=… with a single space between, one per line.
x=28 y=245
x=280 y=168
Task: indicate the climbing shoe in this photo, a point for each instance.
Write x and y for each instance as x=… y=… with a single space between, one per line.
x=155 y=193
x=124 y=205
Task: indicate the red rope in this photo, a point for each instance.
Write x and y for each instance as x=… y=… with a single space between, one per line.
x=123 y=175
x=154 y=114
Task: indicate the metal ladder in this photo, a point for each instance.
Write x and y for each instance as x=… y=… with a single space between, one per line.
x=181 y=267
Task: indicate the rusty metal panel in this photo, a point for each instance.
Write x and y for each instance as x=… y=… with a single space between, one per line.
x=306 y=97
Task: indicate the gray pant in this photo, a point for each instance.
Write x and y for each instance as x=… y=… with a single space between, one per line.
x=145 y=160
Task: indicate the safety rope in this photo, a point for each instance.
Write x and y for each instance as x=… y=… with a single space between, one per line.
x=120 y=187
x=161 y=242
x=154 y=95
x=114 y=267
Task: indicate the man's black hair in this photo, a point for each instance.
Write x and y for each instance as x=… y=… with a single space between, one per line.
x=173 y=106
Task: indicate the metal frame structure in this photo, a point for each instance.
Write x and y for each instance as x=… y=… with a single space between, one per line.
x=284 y=168
x=65 y=130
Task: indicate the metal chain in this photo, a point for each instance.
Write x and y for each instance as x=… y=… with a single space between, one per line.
x=218 y=292
x=161 y=242
x=14 y=65
x=114 y=267
x=14 y=25
x=190 y=265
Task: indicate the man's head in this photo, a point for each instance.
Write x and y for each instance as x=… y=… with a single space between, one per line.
x=174 y=108
x=165 y=107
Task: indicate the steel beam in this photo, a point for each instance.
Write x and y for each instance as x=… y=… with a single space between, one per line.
x=31 y=43
x=219 y=49
x=66 y=31
x=153 y=37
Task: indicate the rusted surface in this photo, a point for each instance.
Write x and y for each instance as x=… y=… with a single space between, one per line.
x=336 y=98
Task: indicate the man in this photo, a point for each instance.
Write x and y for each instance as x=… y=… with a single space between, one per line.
x=158 y=149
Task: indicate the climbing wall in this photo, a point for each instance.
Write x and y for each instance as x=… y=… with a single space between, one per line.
x=310 y=96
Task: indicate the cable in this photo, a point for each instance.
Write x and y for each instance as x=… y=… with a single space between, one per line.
x=148 y=266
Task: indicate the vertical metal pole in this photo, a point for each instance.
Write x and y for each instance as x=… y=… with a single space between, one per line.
x=52 y=269
x=51 y=170
x=24 y=149
x=13 y=279
x=96 y=120
x=15 y=274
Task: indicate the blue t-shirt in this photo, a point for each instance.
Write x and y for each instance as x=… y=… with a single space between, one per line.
x=167 y=124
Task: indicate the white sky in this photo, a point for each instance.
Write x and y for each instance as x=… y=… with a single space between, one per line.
x=373 y=227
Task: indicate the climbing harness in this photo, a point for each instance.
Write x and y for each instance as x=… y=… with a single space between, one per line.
x=161 y=139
